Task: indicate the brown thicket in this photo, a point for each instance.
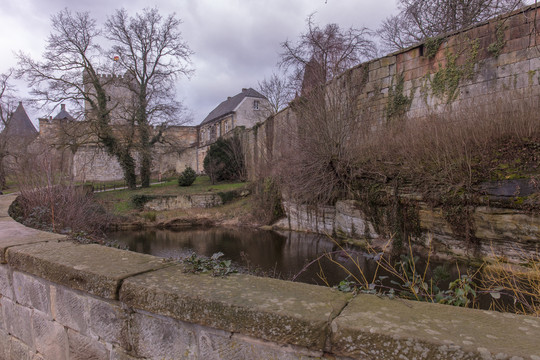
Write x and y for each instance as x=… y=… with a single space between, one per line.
x=336 y=150
x=49 y=200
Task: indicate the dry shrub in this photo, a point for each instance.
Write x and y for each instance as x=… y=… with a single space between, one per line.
x=455 y=149
x=519 y=283
x=337 y=148
x=50 y=201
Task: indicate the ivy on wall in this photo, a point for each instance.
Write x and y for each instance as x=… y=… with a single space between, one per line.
x=398 y=103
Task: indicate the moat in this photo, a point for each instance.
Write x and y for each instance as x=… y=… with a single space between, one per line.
x=278 y=254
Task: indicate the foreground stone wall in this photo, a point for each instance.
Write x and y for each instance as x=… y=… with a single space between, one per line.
x=61 y=300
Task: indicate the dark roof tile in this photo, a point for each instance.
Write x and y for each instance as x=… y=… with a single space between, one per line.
x=228 y=106
x=20 y=124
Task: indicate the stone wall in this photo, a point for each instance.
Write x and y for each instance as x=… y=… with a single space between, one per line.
x=61 y=300
x=171 y=202
x=507 y=233
x=476 y=68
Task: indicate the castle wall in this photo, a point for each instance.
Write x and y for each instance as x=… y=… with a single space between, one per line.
x=495 y=61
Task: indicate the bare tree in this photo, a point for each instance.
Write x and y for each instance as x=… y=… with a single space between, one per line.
x=277 y=91
x=422 y=19
x=324 y=53
x=151 y=51
x=70 y=72
x=6 y=111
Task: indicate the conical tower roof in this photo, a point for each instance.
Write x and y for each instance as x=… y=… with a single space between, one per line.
x=20 y=124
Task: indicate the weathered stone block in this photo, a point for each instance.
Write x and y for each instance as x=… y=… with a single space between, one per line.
x=5 y=344
x=520 y=67
x=108 y=321
x=6 y=289
x=268 y=309
x=92 y=268
x=352 y=220
x=50 y=337
x=19 y=350
x=17 y=320
x=70 y=309
x=14 y=233
x=32 y=292
x=388 y=329
x=215 y=346
x=84 y=348
x=120 y=354
x=162 y=338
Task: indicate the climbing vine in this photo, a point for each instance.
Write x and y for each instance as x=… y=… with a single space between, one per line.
x=431 y=46
x=398 y=103
x=495 y=47
x=445 y=82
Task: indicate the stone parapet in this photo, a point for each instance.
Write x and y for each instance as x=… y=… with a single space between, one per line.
x=61 y=300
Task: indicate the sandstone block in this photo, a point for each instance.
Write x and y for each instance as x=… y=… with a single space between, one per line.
x=215 y=346
x=269 y=309
x=19 y=350
x=50 y=337
x=84 y=348
x=5 y=344
x=32 y=292
x=120 y=354
x=162 y=338
x=95 y=269
x=17 y=320
x=70 y=309
x=5 y=283
x=108 y=321
x=389 y=329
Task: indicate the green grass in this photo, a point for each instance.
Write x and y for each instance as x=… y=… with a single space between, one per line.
x=118 y=201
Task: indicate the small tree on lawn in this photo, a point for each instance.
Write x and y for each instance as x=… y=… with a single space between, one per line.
x=187 y=177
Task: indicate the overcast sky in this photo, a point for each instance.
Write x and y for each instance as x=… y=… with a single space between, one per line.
x=236 y=42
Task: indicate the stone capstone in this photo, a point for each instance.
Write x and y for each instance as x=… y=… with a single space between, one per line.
x=269 y=309
x=92 y=268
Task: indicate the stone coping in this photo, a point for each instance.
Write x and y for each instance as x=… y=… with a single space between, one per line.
x=289 y=313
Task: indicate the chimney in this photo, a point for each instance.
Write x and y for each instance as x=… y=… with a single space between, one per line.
x=244 y=89
x=228 y=98
x=63 y=107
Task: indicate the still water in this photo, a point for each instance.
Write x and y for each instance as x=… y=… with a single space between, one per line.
x=279 y=254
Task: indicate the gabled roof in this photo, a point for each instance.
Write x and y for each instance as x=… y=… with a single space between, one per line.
x=63 y=114
x=20 y=124
x=230 y=105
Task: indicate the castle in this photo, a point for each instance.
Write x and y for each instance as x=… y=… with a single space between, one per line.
x=80 y=154
x=492 y=61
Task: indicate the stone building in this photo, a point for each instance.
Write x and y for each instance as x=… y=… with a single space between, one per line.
x=244 y=109
x=79 y=153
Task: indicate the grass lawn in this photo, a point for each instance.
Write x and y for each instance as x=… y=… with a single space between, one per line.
x=118 y=201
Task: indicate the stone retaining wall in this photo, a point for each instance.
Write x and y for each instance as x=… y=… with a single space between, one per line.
x=509 y=233
x=61 y=300
x=172 y=202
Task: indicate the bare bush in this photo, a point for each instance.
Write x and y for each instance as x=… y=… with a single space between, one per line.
x=51 y=201
x=337 y=151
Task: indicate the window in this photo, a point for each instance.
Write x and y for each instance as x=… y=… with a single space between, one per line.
x=256 y=105
x=226 y=126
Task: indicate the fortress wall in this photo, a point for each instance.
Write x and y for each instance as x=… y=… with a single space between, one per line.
x=491 y=63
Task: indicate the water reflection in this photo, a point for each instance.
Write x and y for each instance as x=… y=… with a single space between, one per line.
x=283 y=254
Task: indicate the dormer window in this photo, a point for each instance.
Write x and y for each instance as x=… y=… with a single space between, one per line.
x=256 y=105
